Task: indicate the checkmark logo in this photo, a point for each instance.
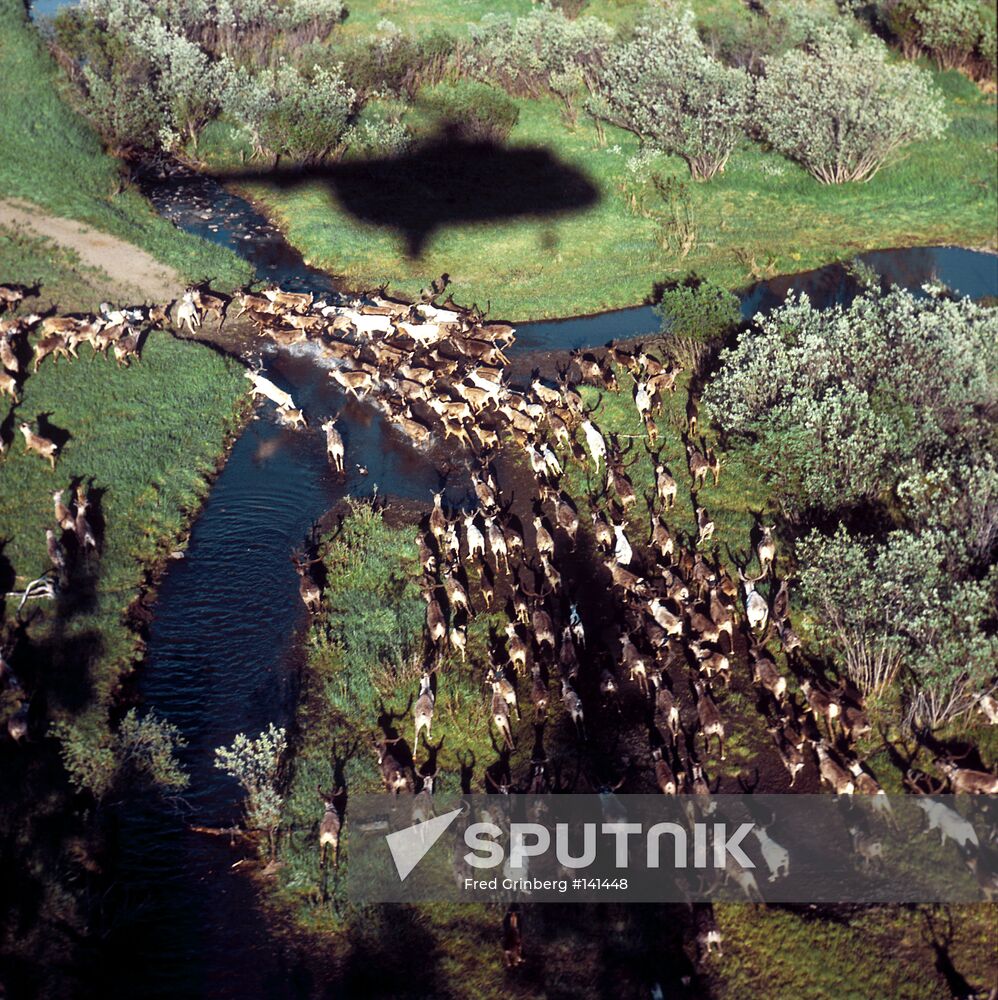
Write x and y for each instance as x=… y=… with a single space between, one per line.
x=409 y=846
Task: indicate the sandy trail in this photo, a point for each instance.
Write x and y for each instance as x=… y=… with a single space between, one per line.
x=129 y=268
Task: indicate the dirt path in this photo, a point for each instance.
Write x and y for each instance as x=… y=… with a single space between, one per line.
x=128 y=267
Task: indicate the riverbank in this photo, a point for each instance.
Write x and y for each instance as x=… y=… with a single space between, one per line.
x=146 y=441
x=762 y=217
x=53 y=158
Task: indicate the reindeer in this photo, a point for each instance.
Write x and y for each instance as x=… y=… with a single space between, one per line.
x=790 y=752
x=573 y=705
x=500 y=716
x=692 y=415
x=832 y=772
x=705 y=526
x=708 y=934
x=594 y=442
x=335 y=449
x=776 y=857
x=516 y=647
x=85 y=537
x=330 y=826
x=41 y=446
x=664 y=778
x=949 y=823
x=765 y=673
x=711 y=723
x=661 y=539
x=821 y=704
x=714 y=464
x=63 y=515
x=512 y=937
x=756 y=608
x=539 y=692
x=436 y=624
x=766 y=549
x=637 y=668
x=393 y=774
x=666 y=486
x=422 y=711
x=965 y=781
x=501 y=684
x=699 y=469
x=666 y=715
x=308 y=589
x=8 y=385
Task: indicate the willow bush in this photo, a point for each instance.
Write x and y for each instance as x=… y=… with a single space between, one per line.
x=839 y=107
x=666 y=88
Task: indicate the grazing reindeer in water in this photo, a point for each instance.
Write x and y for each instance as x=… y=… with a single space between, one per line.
x=310 y=591
x=335 y=449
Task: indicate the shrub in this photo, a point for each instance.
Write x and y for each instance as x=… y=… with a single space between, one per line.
x=286 y=113
x=397 y=63
x=841 y=110
x=664 y=86
x=521 y=53
x=832 y=422
x=476 y=111
x=894 y=614
x=142 y=750
x=696 y=314
x=176 y=85
x=255 y=763
x=956 y=33
x=378 y=135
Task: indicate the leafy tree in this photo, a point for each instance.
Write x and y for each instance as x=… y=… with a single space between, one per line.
x=475 y=110
x=522 y=53
x=839 y=108
x=666 y=88
x=834 y=424
x=287 y=113
x=254 y=763
x=696 y=314
x=953 y=32
x=893 y=612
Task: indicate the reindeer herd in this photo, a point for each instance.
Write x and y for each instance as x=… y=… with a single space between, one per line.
x=680 y=622
x=670 y=628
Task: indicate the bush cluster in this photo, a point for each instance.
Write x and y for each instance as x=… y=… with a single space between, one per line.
x=522 y=53
x=908 y=445
x=474 y=111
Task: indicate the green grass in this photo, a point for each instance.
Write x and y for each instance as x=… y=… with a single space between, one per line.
x=763 y=216
x=52 y=157
x=145 y=437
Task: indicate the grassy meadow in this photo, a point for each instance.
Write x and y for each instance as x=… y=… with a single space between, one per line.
x=143 y=438
x=763 y=216
x=51 y=156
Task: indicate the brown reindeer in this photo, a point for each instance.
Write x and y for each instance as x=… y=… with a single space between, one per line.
x=41 y=446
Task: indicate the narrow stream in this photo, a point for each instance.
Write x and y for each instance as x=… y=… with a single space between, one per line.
x=228 y=618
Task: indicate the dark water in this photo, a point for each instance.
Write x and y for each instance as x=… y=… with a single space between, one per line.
x=965 y=271
x=228 y=616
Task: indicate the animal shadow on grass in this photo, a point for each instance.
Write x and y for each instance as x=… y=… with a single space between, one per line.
x=52 y=431
x=446 y=180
